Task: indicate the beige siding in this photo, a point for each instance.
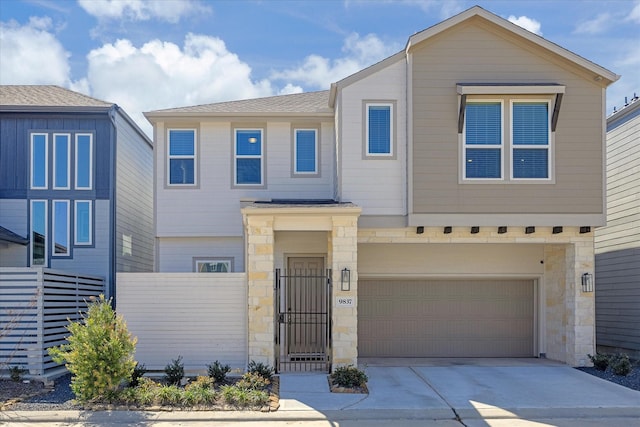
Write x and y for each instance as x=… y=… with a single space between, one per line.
x=176 y=254
x=377 y=185
x=618 y=244
x=477 y=53
x=213 y=207
x=207 y=323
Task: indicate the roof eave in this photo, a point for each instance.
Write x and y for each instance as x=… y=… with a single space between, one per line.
x=54 y=109
x=152 y=116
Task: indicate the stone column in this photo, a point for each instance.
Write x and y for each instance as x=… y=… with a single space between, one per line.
x=343 y=253
x=260 y=293
x=580 y=305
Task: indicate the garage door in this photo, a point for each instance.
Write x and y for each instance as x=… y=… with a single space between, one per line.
x=445 y=318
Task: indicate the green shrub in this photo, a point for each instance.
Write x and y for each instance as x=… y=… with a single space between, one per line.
x=99 y=353
x=138 y=372
x=174 y=371
x=17 y=373
x=253 y=381
x=262 y=369
x=218 y=371
x=600 y=361
x=200 y=383
x=349 y=376
x=199 y=392
x=169 y=395
x=621 y=365
x=241 y=397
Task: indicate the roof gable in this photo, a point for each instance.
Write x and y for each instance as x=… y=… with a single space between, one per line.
x=600 y=73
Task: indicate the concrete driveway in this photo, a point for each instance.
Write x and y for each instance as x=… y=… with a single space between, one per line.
x=471 y=391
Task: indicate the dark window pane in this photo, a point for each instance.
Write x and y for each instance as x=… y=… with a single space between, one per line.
x=248 y=171
x=379 y=129
x=483 y=163
x=483 y=124
x=530 y=163
x=181 y=171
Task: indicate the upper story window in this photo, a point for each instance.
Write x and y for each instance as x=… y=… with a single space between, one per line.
x=61 y=157
x=305 y=151
x=84 y=161
x=530 y=136
x=182 y=157
x=379 y=130
x=483 y=140
x=248 y=157
x=39 y=161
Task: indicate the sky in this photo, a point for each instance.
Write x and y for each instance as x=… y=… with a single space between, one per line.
x=147 y=55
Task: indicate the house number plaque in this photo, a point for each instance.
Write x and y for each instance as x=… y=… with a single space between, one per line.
x=345 y=302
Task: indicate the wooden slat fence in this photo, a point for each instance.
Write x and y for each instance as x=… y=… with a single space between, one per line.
x=36 y=305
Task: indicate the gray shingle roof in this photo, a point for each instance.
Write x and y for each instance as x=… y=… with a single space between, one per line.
x=309 y=102
x=45 y=96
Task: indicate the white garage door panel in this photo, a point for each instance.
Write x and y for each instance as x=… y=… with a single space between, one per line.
x=445 y=318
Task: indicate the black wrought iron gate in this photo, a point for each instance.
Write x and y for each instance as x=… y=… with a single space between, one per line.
x=303 y=320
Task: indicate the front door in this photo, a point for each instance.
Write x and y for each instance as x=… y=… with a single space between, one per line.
x=303 y=314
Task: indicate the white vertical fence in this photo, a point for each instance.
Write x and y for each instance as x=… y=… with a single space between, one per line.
x=201 y=317
x=36 y=305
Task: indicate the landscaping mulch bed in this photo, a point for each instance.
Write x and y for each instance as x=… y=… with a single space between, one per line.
x=631 y=381
x=34 y=396
x=335 y=388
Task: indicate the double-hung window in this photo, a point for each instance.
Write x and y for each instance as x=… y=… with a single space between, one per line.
x=84 y=161
x=61 y=156
x=483 y=140
x=39 y=161
x=530 y=138
x=249 y=158
x=305 y=151
x=379 y=129
x=182 y=157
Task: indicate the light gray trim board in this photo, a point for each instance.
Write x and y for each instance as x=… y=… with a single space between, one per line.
x=382 y=221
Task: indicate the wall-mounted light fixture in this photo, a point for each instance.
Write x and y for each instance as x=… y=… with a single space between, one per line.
x=587 y=282
x=502 y=229
x=475 y=230
x=529 y=230
x=584 y=230
x=420 y=229
x=345 y=279
x=447 y=230
x=557 y=230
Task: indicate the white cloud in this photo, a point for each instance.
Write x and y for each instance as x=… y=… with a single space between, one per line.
x=527 y=23
x=319 y=72
x=142 y=10
x=634 y=15
x=447 y=8
x=19 y=64
x=163 y=75
x=595 y=26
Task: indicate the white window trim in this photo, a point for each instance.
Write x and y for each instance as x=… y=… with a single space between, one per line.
x=46 y=161
x=55 y=161
x=46 y=233
x=183 y=156
x=463 y=160
x=198 y=261
x=54 y=229
x=295 y=152
x=237 y=156
x=90 y=186
x=539 y=147
x=391 y=129
x=75 y=223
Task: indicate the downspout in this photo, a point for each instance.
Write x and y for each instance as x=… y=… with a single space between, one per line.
x=112 y=198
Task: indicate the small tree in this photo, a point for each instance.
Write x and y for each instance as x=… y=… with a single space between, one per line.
x=99 y=352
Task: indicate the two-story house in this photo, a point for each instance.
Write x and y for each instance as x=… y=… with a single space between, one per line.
x=76 y=190
x=451 y=190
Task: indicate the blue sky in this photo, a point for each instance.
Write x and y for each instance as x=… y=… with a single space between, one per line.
x=152 y=54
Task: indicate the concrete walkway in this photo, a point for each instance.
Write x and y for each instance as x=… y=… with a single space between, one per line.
x=470 y=393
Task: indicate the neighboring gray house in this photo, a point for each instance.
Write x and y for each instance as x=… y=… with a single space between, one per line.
x=76 y=189
x=618 y=244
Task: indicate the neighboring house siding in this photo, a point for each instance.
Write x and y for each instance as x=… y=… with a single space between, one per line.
x=212 y=207
x=134 y=199
x=441 y=62
x=176 y=254
x=618 y=244
x=361 y=178
x=13 y=216
x=95 y=259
